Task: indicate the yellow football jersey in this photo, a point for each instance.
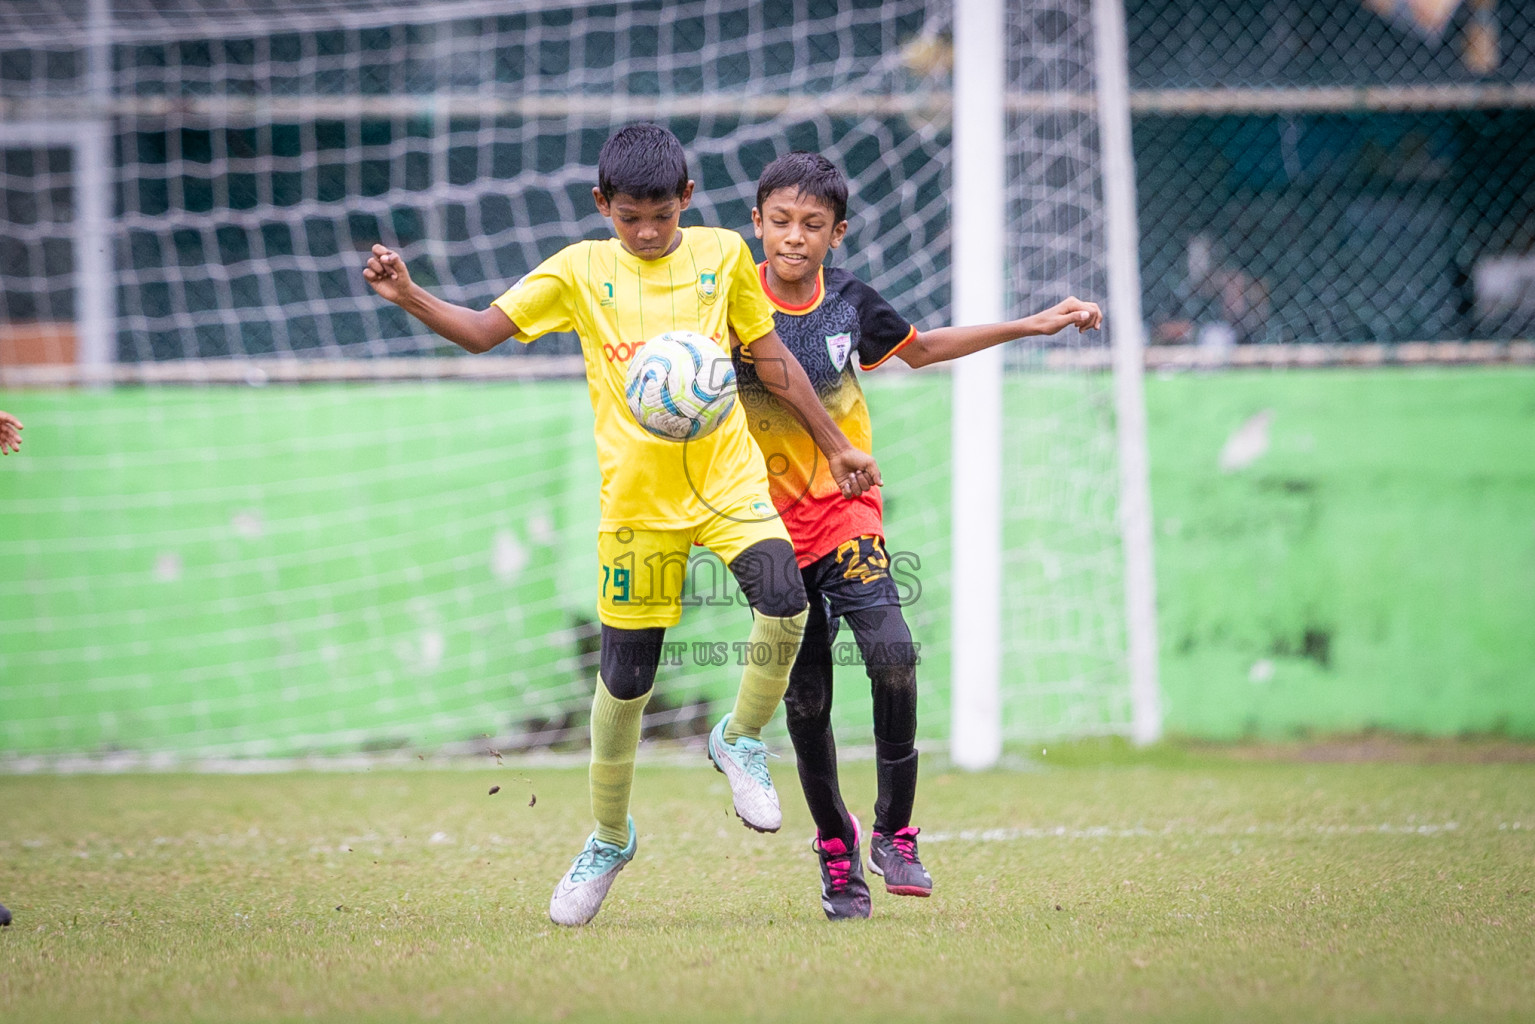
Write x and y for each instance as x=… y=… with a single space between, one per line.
x=615 y=301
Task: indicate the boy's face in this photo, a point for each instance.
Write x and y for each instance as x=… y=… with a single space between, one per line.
x=797 y=232
x=645 y=227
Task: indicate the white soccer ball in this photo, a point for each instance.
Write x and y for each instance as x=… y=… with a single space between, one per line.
x=681 y=386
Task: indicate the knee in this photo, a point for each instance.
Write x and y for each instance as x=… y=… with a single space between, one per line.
x=770 y=579
x=886 y=642
x=807 y=710
x=896 y=658
x=891 y=660
x=806 y=720
x=895 y=709
x=629 y=659
x=893 y=685
x=782 y=605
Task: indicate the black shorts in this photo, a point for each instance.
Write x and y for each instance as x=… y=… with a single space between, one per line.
x=853 y=578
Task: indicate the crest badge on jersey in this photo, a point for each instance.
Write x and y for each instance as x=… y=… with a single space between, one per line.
x=708 y=286
x=838 y=346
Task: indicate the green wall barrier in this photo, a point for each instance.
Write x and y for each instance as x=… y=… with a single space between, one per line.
x=1374 y=568
x=280 y=570
x=275 y=571
x=291 y=570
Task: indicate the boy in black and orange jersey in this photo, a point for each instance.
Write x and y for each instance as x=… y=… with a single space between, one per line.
x=659 y=497
x=829 y=320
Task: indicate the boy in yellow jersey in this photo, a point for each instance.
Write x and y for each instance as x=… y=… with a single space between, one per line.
x=830 y=320
x=660 y=497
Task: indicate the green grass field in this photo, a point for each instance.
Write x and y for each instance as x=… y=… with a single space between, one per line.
x=1096 y=884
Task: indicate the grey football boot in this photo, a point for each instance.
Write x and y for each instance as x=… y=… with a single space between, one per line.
x=895 y=857
x=844 y=893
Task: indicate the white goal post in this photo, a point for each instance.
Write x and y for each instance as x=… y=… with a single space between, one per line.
x=1127 y=334
x=979 y=427
x=975 y=732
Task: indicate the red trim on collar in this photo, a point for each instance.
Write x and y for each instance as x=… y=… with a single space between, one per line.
x=789 y=307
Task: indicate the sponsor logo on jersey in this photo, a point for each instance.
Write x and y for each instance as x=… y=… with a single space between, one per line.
x=607 y=294
x=708 y=286
x=627 y=350
x=838 y=346
x=762 y=508
x=622 y=352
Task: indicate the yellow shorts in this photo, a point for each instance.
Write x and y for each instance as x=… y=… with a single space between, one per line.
x=641 y=572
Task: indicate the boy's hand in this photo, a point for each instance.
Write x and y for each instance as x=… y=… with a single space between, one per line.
x=10 y=434
x=387 y=275
x=1086 y=316
x=854 y=471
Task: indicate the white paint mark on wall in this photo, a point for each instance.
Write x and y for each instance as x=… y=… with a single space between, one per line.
x=507 y=556
x=1247 y=443
x=167 y=566
x=248 y=523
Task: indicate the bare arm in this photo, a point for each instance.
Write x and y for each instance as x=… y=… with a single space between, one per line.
x=473 y=330
x=945 y=343
x=10 y=433
x=855 y=471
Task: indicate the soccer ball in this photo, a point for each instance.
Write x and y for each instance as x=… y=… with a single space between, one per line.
x=680 y=386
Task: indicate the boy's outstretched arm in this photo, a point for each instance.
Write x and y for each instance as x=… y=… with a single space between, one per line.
x=944 y=343
x=474 y=330
x=855 y=471
x=10 y=433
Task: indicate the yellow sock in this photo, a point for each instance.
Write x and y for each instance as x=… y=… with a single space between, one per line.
x=615 y=737
x=774 y=642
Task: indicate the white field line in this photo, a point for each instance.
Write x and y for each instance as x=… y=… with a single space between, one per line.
x=1010 y=835
x=446 y=834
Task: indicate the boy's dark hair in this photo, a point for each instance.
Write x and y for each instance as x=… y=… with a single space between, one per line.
x=644 y=161
x=811 y=174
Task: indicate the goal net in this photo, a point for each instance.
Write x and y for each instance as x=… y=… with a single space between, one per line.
x=262 y=513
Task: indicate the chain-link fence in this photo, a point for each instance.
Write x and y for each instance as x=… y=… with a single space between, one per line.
x=1361 y=170
x=1335 y=172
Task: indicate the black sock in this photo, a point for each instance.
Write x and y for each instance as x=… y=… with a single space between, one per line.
x=897 y=791
x=807 y=709
x=891 y=663
x=817 y=762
